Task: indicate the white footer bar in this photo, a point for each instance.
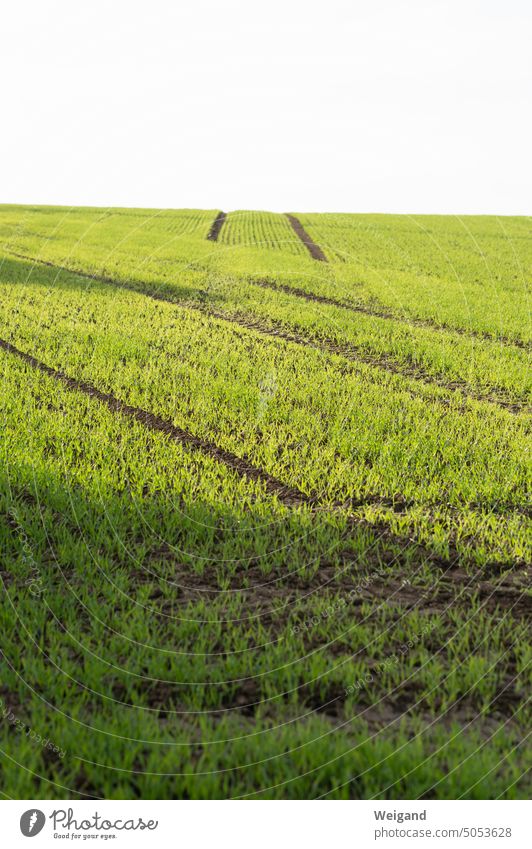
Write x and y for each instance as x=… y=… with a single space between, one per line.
x=267 y=825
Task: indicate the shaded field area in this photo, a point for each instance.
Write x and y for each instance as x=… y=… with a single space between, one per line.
x=265 y=505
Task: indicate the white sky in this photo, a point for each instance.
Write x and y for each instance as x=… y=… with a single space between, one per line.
x=336 y=105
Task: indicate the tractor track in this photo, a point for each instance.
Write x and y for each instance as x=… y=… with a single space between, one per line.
x=216 y=226
x=382 y=362
x=375 y=312
x=342 y=586
x=314 y=250
x=277 y=330
x=288 y=495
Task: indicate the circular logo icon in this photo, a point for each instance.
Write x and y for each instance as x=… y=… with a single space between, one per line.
x=32 y=822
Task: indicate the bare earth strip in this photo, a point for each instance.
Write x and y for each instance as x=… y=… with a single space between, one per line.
x=314 y=250
x=278 y=331
x=381 y=362
x=382 y=313
x=288 y=495
x=387 y=582
x=216 y=226
x=384 y=577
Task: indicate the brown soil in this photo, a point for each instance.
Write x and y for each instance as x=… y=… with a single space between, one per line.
x=413 y=372
x=245 y=698
x=377 y=574
x=290 y=496
x=216 y=226
x=272 y=598
x=314 y=250
x=377 y=312
x=286 y=494
x=279 y=331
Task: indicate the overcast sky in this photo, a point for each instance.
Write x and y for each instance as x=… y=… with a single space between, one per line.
x=337 y=105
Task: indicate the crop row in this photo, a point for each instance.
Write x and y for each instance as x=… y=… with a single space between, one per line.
x=263 y=230
x=472 y=271
x=283 y=407
x=130 y=637
x=478 y=367
x=474 y=280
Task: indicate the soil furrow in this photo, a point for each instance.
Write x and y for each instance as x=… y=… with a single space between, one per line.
x=247 y=698
x=382 y=574
x=273 y=600
x=366 y=309
x=314 y=250
x=413 y=372
x=279 y=331
x=288 y=495
x=383 y=577
x=216 y=226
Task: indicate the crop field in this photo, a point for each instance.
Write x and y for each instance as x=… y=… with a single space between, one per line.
x=265 y=230
x=265 y=505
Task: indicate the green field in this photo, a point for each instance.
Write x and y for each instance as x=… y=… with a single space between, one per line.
x=265 y=520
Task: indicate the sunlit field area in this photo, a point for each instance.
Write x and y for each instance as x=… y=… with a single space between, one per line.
x=265 y=513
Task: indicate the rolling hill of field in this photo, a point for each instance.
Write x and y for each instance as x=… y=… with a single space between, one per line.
x=265 y=514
